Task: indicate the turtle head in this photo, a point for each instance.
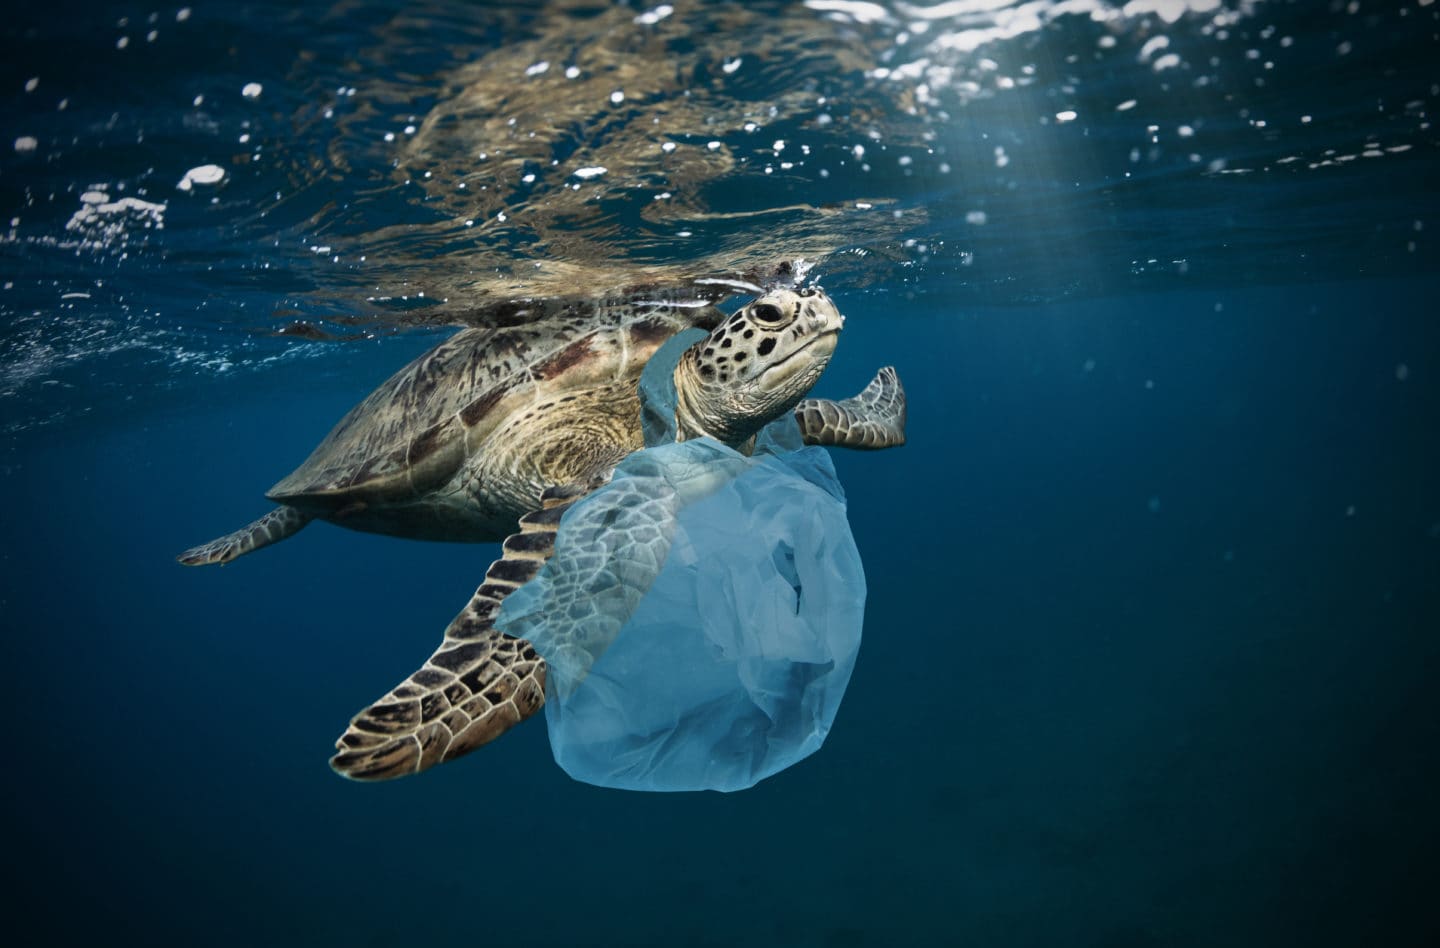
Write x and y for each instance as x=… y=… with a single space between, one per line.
x=756 y=365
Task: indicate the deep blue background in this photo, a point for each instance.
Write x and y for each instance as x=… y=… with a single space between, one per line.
x=1075 y=719
x=1154 y=617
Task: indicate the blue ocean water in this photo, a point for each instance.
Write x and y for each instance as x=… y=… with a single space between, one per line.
x=1154 y=587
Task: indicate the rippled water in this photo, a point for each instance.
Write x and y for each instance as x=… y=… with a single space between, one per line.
x=384 y=166
x=1150 y=637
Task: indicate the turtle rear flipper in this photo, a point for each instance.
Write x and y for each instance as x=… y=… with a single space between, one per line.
x=872 y=420
x=481 y=682
x=477 y=685
x=282 y=522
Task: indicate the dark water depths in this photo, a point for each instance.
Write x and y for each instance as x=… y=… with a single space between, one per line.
x=1151 y=637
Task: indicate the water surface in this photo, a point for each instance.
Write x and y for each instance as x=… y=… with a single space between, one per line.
x=1153 y=587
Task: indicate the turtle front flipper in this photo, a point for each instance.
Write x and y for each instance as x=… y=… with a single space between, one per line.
x=869 y=421
x=479 y=683
x=282 y=522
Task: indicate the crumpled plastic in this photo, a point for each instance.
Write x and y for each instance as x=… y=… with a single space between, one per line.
x=701 y=614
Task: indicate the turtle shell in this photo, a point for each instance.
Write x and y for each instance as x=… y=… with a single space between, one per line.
x=414 y=432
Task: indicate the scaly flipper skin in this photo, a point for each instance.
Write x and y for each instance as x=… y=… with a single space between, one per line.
x=478 y=684
x=872 y=420
x=275 y=526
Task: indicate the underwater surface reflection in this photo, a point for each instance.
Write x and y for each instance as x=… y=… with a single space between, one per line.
x=1149 y=638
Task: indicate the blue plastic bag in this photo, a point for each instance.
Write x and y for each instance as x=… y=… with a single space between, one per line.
x=702 y=613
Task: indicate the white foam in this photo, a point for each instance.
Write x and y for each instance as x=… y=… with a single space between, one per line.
x=1153 y=45
x=857 y=10
x=651 y=17
x=593 y=171
x=26 y=143
x=204 y=174
x=103 y=223
x=252 y=90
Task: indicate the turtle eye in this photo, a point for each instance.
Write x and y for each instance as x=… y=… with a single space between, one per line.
x=767 y=313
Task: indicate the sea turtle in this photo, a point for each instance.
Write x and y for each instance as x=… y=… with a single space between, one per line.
x=499 y=426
